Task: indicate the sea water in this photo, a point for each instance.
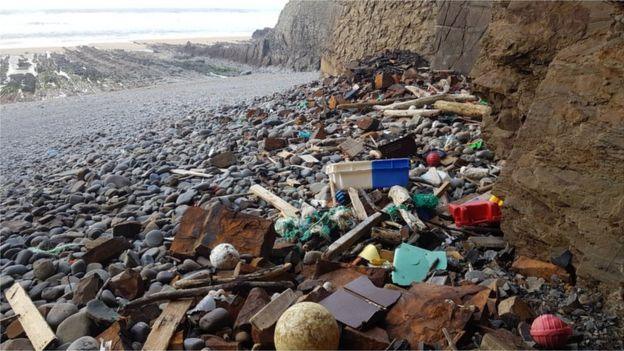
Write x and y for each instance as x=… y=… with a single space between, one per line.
x=48 y=23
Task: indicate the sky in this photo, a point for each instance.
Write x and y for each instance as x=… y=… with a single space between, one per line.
x=99 y=4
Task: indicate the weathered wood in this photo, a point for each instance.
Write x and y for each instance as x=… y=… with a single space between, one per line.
x=194 y=292
x=36 y=328
x=191 y=173
x=442 y=189
x=426 y=100
x=201 y=230
x=358 y=207
x=411 y=113
x=351 y=147
x=111 y=337
x=287 y=209
x=263 y=322
x=166 y=324
x=463 y=109
x=264 y=274
x=345 y=241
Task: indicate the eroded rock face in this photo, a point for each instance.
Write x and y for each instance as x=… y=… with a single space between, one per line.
x=554 y=73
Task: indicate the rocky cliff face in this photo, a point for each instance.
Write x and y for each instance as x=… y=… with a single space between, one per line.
x=296 y=41
x=554 y=72
x=367 y=27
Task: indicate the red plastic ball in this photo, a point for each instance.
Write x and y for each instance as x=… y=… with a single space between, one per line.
x=433 y=159
x=550 y=331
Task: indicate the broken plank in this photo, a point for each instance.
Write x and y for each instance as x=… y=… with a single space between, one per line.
x=358 y=207
x=415 y=102
x=463 y=109
x=411 y=113
x=442 y=189
x=347 y=240
x=191 y=173
x=36 y=328
x=287 y=209
x=166 y=324
x=399 y=195
x=111 y=338
x=351 y=147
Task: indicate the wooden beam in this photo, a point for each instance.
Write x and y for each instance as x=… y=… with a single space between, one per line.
x=426 y=100
x=358 y=207
x=36 y=328
x=166 y=324
x=191 y=173
x=411 y=113
x=347 y=240
x=287 y=209
x=463 y=109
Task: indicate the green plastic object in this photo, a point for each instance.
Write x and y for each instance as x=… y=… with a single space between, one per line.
x=428 y=201
x=476 y=145
x=411 y=264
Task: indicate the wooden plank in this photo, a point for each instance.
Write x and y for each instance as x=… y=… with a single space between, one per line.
x=166 y=324
x=358 y=207
x=191 y=173
x=111 y=337
x=411 y=113
x=442 y=189
x=269 y=314
x=351 y=147
x=36 y=328
x=415 y=102
x=347 y=240
x=463 y=109
x=287 y=209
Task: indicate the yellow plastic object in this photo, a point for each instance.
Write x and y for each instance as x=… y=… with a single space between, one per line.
x=370 y=253
x=497 y=200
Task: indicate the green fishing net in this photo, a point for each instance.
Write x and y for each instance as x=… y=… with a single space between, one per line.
x=320 y=223
x=428 y=201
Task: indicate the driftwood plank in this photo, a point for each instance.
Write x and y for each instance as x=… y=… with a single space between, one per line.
x=358 y=207
x=36 y=328
x=352 y=236
x=166 y=324
x=287 y=209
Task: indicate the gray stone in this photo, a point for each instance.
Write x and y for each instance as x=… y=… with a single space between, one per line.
x=43 y=268
x=194 y=344
x=16 y=269
x=311 y=257
x=165 y=276
x=117 y=180
x=23 y=257
x=140 y=331
x=85 y=343
x=100 y=313
x=214 y=319
x=60 y=312
x=186 y=197
x=154 y=238
x=74 y=327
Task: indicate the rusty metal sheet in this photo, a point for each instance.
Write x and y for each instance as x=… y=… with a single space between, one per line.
x=422 y=312
x=364 y=287
x=349 y=309
x=402 y=147
x=201 y=230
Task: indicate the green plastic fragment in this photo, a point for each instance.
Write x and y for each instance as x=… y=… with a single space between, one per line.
x=477 y=144
x=483 y=101
x=428 y=201
x=320 y=223
x=412 y=264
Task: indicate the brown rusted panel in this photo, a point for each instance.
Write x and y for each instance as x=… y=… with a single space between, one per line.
x=128 y=284
x=256 y=299
x=114 y=335
x=402 y=147
x=422 y=312
x=201 y=230
x=373 y=339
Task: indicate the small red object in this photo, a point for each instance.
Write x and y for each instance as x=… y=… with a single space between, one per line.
x=550 y=331
x=433 y=159
x=475 y=212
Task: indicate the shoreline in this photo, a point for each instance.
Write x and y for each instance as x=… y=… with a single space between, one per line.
x=132 y=45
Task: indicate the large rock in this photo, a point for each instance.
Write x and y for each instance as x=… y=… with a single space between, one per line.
x=554 y=73
x=74 y=327
x=59 y=313
x=85 y=343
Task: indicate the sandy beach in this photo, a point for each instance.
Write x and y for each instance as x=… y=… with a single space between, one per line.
x=135 y=45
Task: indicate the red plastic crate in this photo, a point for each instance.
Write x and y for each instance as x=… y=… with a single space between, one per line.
x=475 y=212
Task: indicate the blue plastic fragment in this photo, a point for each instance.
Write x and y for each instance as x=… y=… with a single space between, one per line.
x=387 y=173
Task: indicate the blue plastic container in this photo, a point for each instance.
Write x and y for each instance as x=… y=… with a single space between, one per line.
x=387 y=173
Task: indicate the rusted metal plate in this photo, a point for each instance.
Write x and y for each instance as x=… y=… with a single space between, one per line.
x=372 y=339
x=359 y=302
x=350 y=309
x=364 y=287
x=201 y=230
x=402 y=147
x=422 y=312
x=256 y=300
